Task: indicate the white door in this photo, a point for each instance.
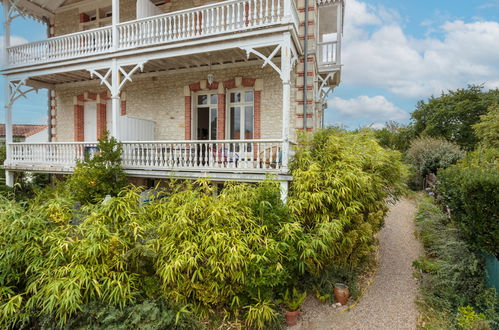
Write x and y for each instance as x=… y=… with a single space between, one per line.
x=90 y=121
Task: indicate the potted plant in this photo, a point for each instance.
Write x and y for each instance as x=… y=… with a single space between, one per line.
x=293 y=302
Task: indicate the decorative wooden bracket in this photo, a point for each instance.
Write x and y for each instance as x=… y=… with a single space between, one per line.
x=106 y=79
x=18 y=89
x=321 y=93
x=268 y=59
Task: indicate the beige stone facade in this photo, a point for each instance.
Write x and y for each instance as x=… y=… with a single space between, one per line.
x=160 y=98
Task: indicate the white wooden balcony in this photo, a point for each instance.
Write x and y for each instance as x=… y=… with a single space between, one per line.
x=227 y=17
x=229 y=156
x=328 y=55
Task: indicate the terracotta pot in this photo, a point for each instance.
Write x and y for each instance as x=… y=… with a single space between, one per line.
x=341 y=293
x=292 y=318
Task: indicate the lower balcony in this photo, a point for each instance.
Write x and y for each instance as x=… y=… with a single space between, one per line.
x=242 y=160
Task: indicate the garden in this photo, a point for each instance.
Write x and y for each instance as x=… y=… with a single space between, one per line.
x=92 y=252
x=452 y=148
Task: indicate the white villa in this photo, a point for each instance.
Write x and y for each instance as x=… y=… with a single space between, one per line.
x=192 y=88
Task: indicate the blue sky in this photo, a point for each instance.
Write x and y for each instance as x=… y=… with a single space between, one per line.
x=398 y=52
x=395 y=53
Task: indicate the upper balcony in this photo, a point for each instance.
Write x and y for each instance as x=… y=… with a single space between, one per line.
x=230 y=19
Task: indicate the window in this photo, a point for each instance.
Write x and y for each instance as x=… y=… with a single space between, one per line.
x=241 y=115
x=205 y=117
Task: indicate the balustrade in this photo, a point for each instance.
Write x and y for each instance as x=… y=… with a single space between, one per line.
x=219 y=18
x=223 y=155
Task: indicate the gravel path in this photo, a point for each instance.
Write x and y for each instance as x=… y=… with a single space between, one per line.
x=389 y=303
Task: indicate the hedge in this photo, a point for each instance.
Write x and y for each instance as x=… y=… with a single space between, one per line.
x=470 y=190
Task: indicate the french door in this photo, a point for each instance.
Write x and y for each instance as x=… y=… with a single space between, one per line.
x=240 y=120
x=205 y=117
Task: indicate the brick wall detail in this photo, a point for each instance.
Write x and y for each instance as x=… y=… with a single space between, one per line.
x=79 y=113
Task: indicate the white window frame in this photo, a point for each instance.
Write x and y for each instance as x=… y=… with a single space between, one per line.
x=194 y=113
x=242 y=106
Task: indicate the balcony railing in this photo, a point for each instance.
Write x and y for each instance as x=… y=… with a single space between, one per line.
x=328 y=53
x=219 y=155
x=220 y=18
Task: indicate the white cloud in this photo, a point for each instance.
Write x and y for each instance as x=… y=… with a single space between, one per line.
x=370 y=109
x=378 y=53
x=14 y=41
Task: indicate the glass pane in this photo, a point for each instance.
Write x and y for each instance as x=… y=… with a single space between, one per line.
x=248 y=122
x=235 y=123
x=202 y=99
x=214 y=99
x=213 y=119
x=248 y=96
x=235 y=97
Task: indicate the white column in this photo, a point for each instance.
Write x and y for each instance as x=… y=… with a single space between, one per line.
x=9 y=176
x=284 y=190
x=286 y=96
x=340 y=33
x=115 y=98
x=115 y=21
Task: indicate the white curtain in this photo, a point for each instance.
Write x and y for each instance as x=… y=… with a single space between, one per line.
x=146 y=8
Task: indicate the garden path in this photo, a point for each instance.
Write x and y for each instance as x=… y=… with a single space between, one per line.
x=389 y=302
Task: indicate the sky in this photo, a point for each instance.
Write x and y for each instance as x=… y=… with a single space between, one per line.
x=397 y=52
x=394 y=53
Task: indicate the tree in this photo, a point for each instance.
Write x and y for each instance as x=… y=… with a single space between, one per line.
x=395 y=136
x=487 y=129
x=99 y=174
x=452 y=115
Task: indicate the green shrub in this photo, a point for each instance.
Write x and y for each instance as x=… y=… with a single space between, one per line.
x=341 y=181
x=469 y=319
x=395 y=136
x=453 y=274
x=124 y=262
x=487 y=129
x=147 y=314
x=427 y=155
x=99 y=174
x=471 y=191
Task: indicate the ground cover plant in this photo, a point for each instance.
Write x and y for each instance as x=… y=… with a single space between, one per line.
x=453 y=289
x=190 y=255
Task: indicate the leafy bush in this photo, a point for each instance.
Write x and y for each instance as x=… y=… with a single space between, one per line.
x=453 y=275
x=340 y=185
x=487 y=129
x=124 y=262
x=147 y=314
x=469 y=319
x=99 y=174
x=471 y=191
x=427 y=155
x=395 y=136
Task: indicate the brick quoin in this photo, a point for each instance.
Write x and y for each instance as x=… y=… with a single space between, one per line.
x=101 y=120
x=221 y=117
x=257 y=114
x=187 y=114
x=79 y=121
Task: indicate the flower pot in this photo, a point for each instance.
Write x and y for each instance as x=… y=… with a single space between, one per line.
x=341 y=293
x=292 y=318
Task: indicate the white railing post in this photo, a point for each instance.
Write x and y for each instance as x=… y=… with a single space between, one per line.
x=287 y=10
x=339 y=33
x=115 y=99
x=286 y=96
x=116 y=21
